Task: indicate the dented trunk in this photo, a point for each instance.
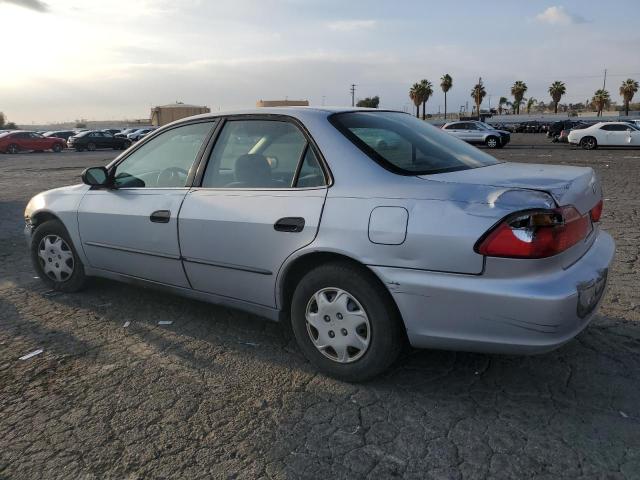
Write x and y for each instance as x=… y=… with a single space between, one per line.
x=577 y=186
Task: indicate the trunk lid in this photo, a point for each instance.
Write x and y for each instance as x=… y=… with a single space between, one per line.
x=577 y=186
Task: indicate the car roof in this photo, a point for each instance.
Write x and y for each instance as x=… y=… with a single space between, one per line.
x=296 y=112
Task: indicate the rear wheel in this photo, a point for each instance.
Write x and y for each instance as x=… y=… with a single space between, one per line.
x=57 y=148
x=126 y=144
x=13 y=148
x=345 y=322
x=588 y=143
x=55 y=259
x=492 y=142
x=91 y=146
x=79 y=149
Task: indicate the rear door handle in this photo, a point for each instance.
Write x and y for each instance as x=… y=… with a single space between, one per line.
x=289 y=224
x=160 y=216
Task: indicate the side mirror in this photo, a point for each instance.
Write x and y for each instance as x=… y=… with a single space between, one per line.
x=96 y=176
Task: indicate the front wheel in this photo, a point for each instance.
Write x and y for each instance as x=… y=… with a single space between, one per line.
x=345 y=322
x=57 y=148
x=55 y=258
x=91 y=146
x=588 y=143
x=492 y=142
x=13 y=148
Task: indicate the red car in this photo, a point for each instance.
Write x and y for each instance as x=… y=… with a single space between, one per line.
x=17 y=140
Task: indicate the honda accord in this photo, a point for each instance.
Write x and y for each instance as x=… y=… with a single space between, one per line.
x=364 y=229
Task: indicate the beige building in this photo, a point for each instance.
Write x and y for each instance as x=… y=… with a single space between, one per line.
x=168 y=113
x=282 y=103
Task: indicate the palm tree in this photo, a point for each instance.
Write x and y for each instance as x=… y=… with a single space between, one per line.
x=427 y=91
x=478 y=93
x=530 y=104
x=415 y=94
x=628 y=88
x=501 y=103
x=446 y=82
x=557 y=90
x=600 y=100
x=518 y=90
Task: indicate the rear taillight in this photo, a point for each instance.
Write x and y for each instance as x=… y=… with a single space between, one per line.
x=535 y=234
x=596 y=212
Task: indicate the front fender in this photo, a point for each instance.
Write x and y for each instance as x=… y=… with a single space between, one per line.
x=62 y=204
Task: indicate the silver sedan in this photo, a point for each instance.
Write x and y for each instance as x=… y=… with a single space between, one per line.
x=364 y=229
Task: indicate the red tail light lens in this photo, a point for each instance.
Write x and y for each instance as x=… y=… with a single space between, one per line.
x=536 y=234
x=596 y=212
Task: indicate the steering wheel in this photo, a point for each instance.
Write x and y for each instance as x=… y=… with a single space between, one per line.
x=172 y=177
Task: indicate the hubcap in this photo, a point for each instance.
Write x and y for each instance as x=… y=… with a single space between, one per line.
x=338 y=325
x=492 y=142
x=56 y=258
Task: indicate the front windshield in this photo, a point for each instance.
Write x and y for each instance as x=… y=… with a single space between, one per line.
x=406 y=145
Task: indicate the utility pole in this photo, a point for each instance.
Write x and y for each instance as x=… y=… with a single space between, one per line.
x=353 y=94
x=604 y=82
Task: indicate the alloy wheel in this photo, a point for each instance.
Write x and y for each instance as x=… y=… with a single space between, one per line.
x=338 y=325
x=56 y=258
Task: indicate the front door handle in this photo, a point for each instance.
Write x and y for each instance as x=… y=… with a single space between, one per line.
x=160 y=216
x=289 y=224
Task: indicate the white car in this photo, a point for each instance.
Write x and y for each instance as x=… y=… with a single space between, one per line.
x=615 y=134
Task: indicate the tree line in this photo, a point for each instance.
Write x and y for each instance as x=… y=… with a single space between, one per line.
x=421 y=92
x=4 y=125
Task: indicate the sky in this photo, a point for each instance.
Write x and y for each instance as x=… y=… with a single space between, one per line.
x=114 y=59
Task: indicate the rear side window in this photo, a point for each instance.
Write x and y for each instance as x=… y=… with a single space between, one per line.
x=406 y=145
x=262 y=154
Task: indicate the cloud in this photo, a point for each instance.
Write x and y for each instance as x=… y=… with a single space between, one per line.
x=351 y=25
x=557 y=15
x=36 y=5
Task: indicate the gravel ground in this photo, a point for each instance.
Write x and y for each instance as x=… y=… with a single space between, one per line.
x=223 y=394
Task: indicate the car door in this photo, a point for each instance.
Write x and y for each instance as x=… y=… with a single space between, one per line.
x=473 y=133
x=108 y=140
x=614 y=134
x=260 y=200
x=458 y=130
x=37 y=142
x=132 y=228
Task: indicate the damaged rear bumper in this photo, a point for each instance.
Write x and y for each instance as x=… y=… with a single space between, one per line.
x=528 y=315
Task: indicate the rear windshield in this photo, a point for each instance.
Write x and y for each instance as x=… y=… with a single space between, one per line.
x=406 y=145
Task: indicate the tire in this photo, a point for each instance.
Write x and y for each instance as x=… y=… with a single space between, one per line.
x=13 y=148
x=126 y=145
x=91 y=147
x=492 y=142
x=79 y=149
x=51 y=245
x=589 y=143
x=57 y=148
x=375 y=327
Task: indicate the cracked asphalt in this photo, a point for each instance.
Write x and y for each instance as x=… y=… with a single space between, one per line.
x=223 y=394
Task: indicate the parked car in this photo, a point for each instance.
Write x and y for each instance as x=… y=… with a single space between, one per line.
x=478 y=133
x=125 y=132
x=112 y=131
x=300 y=215
x=93 y=139
x=564 y=134
x=22 y=140
x=60 y=134
x=138 y=134
x=616 y=134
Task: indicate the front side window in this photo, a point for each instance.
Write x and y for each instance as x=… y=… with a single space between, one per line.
x=261 y=154
x=420 y=149
x=164 y=161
